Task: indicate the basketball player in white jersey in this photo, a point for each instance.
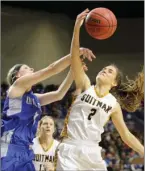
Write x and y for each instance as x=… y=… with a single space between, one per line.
x=45 y=145
x=92 y=108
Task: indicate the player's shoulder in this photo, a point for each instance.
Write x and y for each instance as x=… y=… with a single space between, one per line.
x=36 y=140
x=89 y=89
x=35 y=144
x=112 y=97
x=117 y=108
x=15 y=92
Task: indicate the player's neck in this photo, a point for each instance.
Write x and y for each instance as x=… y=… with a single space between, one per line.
x=45 y=139
x=28 y=89
x=102 y=90
x=46 y=143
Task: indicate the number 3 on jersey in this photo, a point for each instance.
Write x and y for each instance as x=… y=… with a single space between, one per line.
x=93 y=112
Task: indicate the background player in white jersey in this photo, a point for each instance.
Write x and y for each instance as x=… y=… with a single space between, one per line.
x=92 y=108
x=45 y=145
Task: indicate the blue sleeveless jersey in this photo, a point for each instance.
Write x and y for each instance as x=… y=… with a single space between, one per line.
x=20 y=119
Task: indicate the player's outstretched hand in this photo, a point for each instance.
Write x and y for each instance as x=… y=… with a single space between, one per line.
x=80 y=18
x=87 y=53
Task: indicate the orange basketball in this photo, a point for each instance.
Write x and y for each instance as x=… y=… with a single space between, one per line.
x=101 y=23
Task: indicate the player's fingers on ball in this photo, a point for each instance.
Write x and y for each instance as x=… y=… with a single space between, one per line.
x=83 y=12
x=80 y=15
x=83 y=16
x=86 y=10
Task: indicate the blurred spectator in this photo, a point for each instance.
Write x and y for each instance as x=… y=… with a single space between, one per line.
x=38 y=88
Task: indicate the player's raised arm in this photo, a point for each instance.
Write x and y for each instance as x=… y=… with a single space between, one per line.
x=81 y=79
x=57 y=95
x=21 y=77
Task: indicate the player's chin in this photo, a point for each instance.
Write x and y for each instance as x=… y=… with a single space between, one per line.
x=100 y=78
x=28 y=73
x=48 y=132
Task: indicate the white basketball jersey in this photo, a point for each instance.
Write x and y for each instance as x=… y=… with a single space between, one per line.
x=42 y=156
x=88 y=115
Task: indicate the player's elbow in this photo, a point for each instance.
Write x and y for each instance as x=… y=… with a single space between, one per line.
x=126 y=136
x=59 y=95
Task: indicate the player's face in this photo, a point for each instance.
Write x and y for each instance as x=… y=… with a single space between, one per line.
x=25 y=69
x=107 y=76
x=47 y=126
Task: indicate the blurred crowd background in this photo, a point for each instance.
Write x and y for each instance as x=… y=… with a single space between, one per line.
x=38 y=33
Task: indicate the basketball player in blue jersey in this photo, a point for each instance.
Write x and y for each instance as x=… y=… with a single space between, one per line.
x=22 y=111
x=92 y=108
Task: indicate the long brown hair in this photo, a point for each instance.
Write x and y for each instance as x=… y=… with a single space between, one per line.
x=129 y=93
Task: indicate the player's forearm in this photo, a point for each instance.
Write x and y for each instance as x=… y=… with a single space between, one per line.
x=61 y=64
x=76 y=62
x=64 y=62
x=65 y=85
x=134 y=143
x=75 y=44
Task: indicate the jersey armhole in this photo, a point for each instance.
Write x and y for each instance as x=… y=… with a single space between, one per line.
x=113 y=109
x=82 y=91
